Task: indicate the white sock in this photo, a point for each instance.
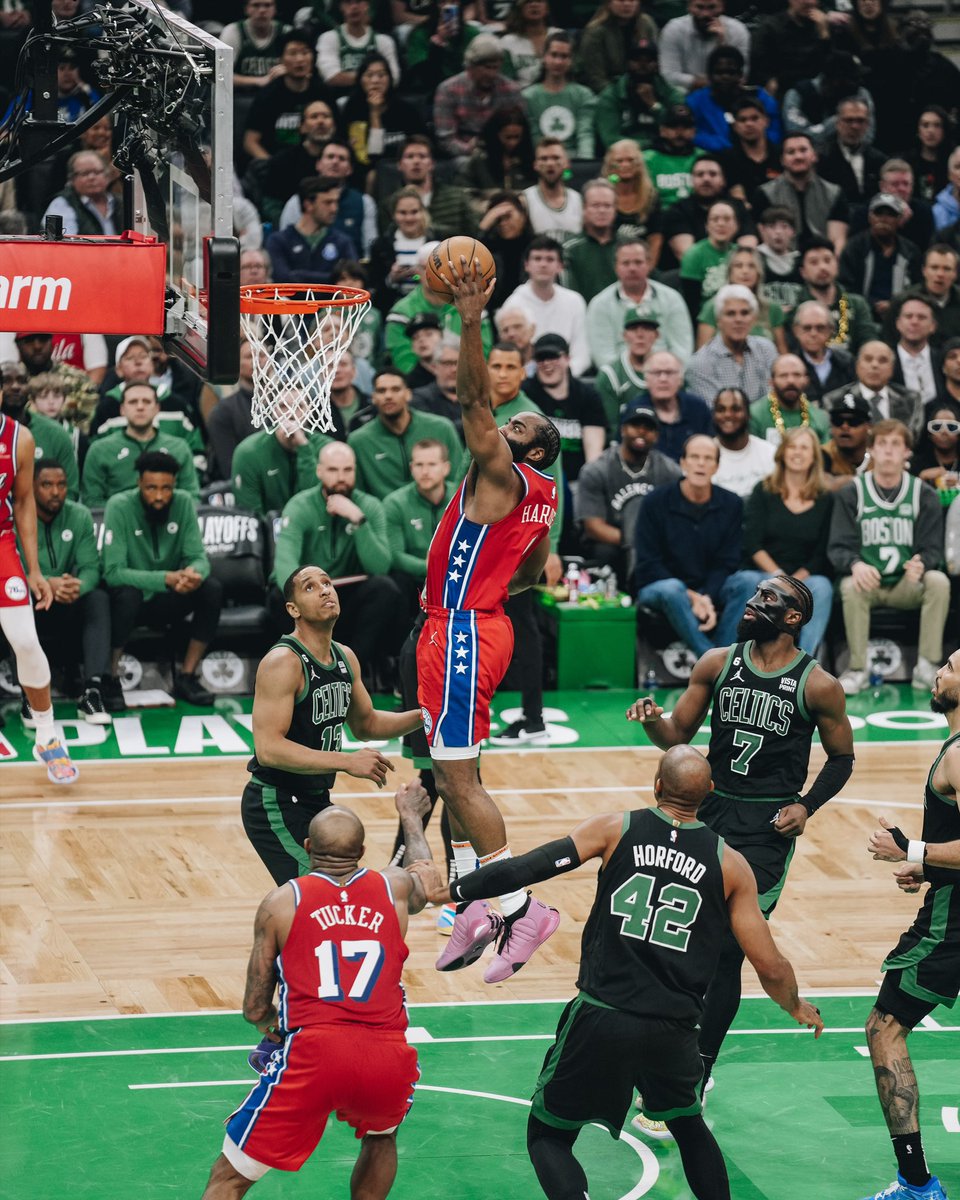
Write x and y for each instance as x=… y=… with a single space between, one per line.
x=46 y=731
x=513 y=901
x=464 y=858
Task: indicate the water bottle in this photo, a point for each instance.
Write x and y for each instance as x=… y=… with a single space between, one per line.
x=876 y=680
x=650 y=680
x=573 y=583
x=611 y=590
x=584 y=586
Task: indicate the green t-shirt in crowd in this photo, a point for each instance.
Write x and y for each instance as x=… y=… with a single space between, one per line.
x=704 y=262
x=671 y=174
x=567 y=115
x=763 y=425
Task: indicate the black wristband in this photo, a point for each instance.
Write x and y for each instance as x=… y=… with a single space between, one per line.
x=900 y=838
x=833 y=775
x=553 y=858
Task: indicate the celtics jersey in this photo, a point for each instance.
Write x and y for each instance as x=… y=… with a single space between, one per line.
x=258 y=58
x=651 y=942
x=887 y=525
x=318 y=715
x=941 y=821
x=760 y=729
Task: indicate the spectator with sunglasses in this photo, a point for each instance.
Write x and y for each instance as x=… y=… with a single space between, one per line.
x=846 y=453
x=937 y=456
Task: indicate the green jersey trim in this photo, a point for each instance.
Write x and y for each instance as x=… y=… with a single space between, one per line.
x=676 y=824
x=770 y=898
x=748 y=646
x=272 y=808
x=926 y=945
x=951 y=800
x=801 y=689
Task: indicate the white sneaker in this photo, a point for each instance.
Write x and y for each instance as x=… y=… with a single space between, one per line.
x=924 y=675
x=853 y=682
x=652 y=1129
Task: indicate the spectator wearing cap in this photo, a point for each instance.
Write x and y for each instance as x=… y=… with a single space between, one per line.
x=572 y=405
x=308 y=250
x=635 y=289
x=622 y=379
x=611 y=489
x=828 y=367
x=752 y=159
x=818 y=206
x=589 y=258
x=874 y=387
x=86 y=205
x=939 y=286
x=606 y=39
x=688 y=546
x=681 y=414
x=745 y=459
x=671 y=157
x=687 y=42
x=713 y=104
x=462 y=105
x=424 y=333
x=846 y=156
x=813 y=105
x=879 y=262
x=52 y=440
x=551 y=307
x=846 y=453
x=733 y=357
x=631 y=106
x=786 y=405
x=916 y=224
x=111 y=463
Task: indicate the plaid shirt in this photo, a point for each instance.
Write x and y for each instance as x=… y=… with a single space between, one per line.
x=460 y=111
x=714 y=367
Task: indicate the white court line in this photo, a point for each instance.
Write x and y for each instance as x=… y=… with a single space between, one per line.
x=951 y=1119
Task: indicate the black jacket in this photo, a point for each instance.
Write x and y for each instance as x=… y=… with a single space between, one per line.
x=834 y=167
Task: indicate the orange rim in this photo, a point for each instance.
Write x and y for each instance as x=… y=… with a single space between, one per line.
x=271 y=298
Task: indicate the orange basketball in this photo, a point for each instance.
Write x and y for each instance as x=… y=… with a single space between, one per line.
x=451 y=251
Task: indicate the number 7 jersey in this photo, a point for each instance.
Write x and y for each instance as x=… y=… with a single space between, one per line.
x=343 y=957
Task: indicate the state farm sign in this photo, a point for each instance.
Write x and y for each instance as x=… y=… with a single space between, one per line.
x=82 y=285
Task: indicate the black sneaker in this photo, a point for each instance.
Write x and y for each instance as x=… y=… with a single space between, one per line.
x=27 y=719
x=111 y=692
x=519 y=733
x=189 y=688
x=90 y=706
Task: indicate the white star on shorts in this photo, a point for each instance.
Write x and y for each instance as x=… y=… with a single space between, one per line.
x=455 y=576
x=461 y=637
x=461 y=668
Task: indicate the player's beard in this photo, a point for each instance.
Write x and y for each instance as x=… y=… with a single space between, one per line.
x=517 y=449
x=156 y=516
x=761 y=629
x=945 y=702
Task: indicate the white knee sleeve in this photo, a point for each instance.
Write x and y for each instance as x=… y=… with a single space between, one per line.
x=19 y=629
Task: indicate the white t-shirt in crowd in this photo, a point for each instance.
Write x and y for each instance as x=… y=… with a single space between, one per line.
x=741 y=470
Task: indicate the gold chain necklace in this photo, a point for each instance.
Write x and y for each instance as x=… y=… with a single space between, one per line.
x=778 y=417
x=843 y=322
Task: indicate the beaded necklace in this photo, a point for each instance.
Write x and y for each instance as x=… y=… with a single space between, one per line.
x=843 y=322
x=778 y=417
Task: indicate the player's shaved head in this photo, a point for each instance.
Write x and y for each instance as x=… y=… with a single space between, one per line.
x=335 y=834
x=683 y=777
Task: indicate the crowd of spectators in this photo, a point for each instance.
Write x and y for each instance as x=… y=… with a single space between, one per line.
x=727 y=250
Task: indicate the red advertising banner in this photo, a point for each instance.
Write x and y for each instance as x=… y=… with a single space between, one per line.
x=82 y=285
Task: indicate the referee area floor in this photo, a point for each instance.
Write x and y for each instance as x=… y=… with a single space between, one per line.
x=133 y=1106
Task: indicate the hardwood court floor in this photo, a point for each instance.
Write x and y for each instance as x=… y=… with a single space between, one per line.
x=134 y=891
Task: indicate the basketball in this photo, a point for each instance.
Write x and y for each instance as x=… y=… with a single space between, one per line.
x=451 y=250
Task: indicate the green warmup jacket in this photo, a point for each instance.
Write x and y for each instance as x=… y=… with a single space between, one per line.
x=400 y=347
x=411 y=523
x=383 y=458
x=110 y=465
x=522 y=403
x=265 y=476
x=138 y=552
x=67 y=545
x=54 y=442
x=308 y=534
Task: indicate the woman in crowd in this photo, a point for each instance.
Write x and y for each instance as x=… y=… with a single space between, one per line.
x=746 y=266
x=609 y=33
x=703 y=268
x=503 y=159
x=393 y=256
x=937 y=456
x=930 y=152
x=375 y=118
x=785 y=525
x=638 y=202
x=506 y=232
x=946 y=209
x=525 y=39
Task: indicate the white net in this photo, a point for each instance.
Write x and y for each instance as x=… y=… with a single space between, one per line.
x=298 y=335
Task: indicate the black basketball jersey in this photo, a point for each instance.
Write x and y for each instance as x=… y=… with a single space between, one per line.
x=651 y=942
x=760 y=729
x=941 y=821
x=318 y=715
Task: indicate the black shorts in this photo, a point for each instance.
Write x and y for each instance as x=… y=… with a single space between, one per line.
x=414 y=744
x=603 y=1055
x=276 y=822
x=747 y=826
x=923 y=969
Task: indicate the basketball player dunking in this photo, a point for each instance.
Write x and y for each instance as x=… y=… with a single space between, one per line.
x=491 y=542
x=768 y=699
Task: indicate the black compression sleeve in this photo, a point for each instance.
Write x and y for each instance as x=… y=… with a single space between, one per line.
x=497 y=878
x=833 y=775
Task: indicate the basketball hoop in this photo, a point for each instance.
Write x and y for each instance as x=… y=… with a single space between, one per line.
x=298 y=333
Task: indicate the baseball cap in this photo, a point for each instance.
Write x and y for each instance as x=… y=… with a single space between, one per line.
x=550 y=345
x=424 y=320
x=850 y=405
x=639 y=409
x=886 y=200
x=136 y=340
x=677 y=115
x=637 y=316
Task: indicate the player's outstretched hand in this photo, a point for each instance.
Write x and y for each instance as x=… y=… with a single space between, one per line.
x=369 y=764
x=806 y=1014
x=412 y=798
x=909 y=877
x=645 y=710
x=887 y=844
x=435 y=886
x=470 y=294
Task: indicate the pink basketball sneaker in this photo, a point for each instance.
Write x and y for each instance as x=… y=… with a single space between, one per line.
x=473 y=931
x=520 y=938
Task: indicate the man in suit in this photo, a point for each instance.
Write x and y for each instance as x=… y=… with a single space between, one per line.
x=917 y=364
x=874 y=384
x=827 y=366
x=847 y=159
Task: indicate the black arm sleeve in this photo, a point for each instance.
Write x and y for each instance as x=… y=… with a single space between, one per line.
x=833 y=775
x=553 y=858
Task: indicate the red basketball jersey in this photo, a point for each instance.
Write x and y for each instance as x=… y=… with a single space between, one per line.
x=342 y=960
x=468 y=565
x=9 y=434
